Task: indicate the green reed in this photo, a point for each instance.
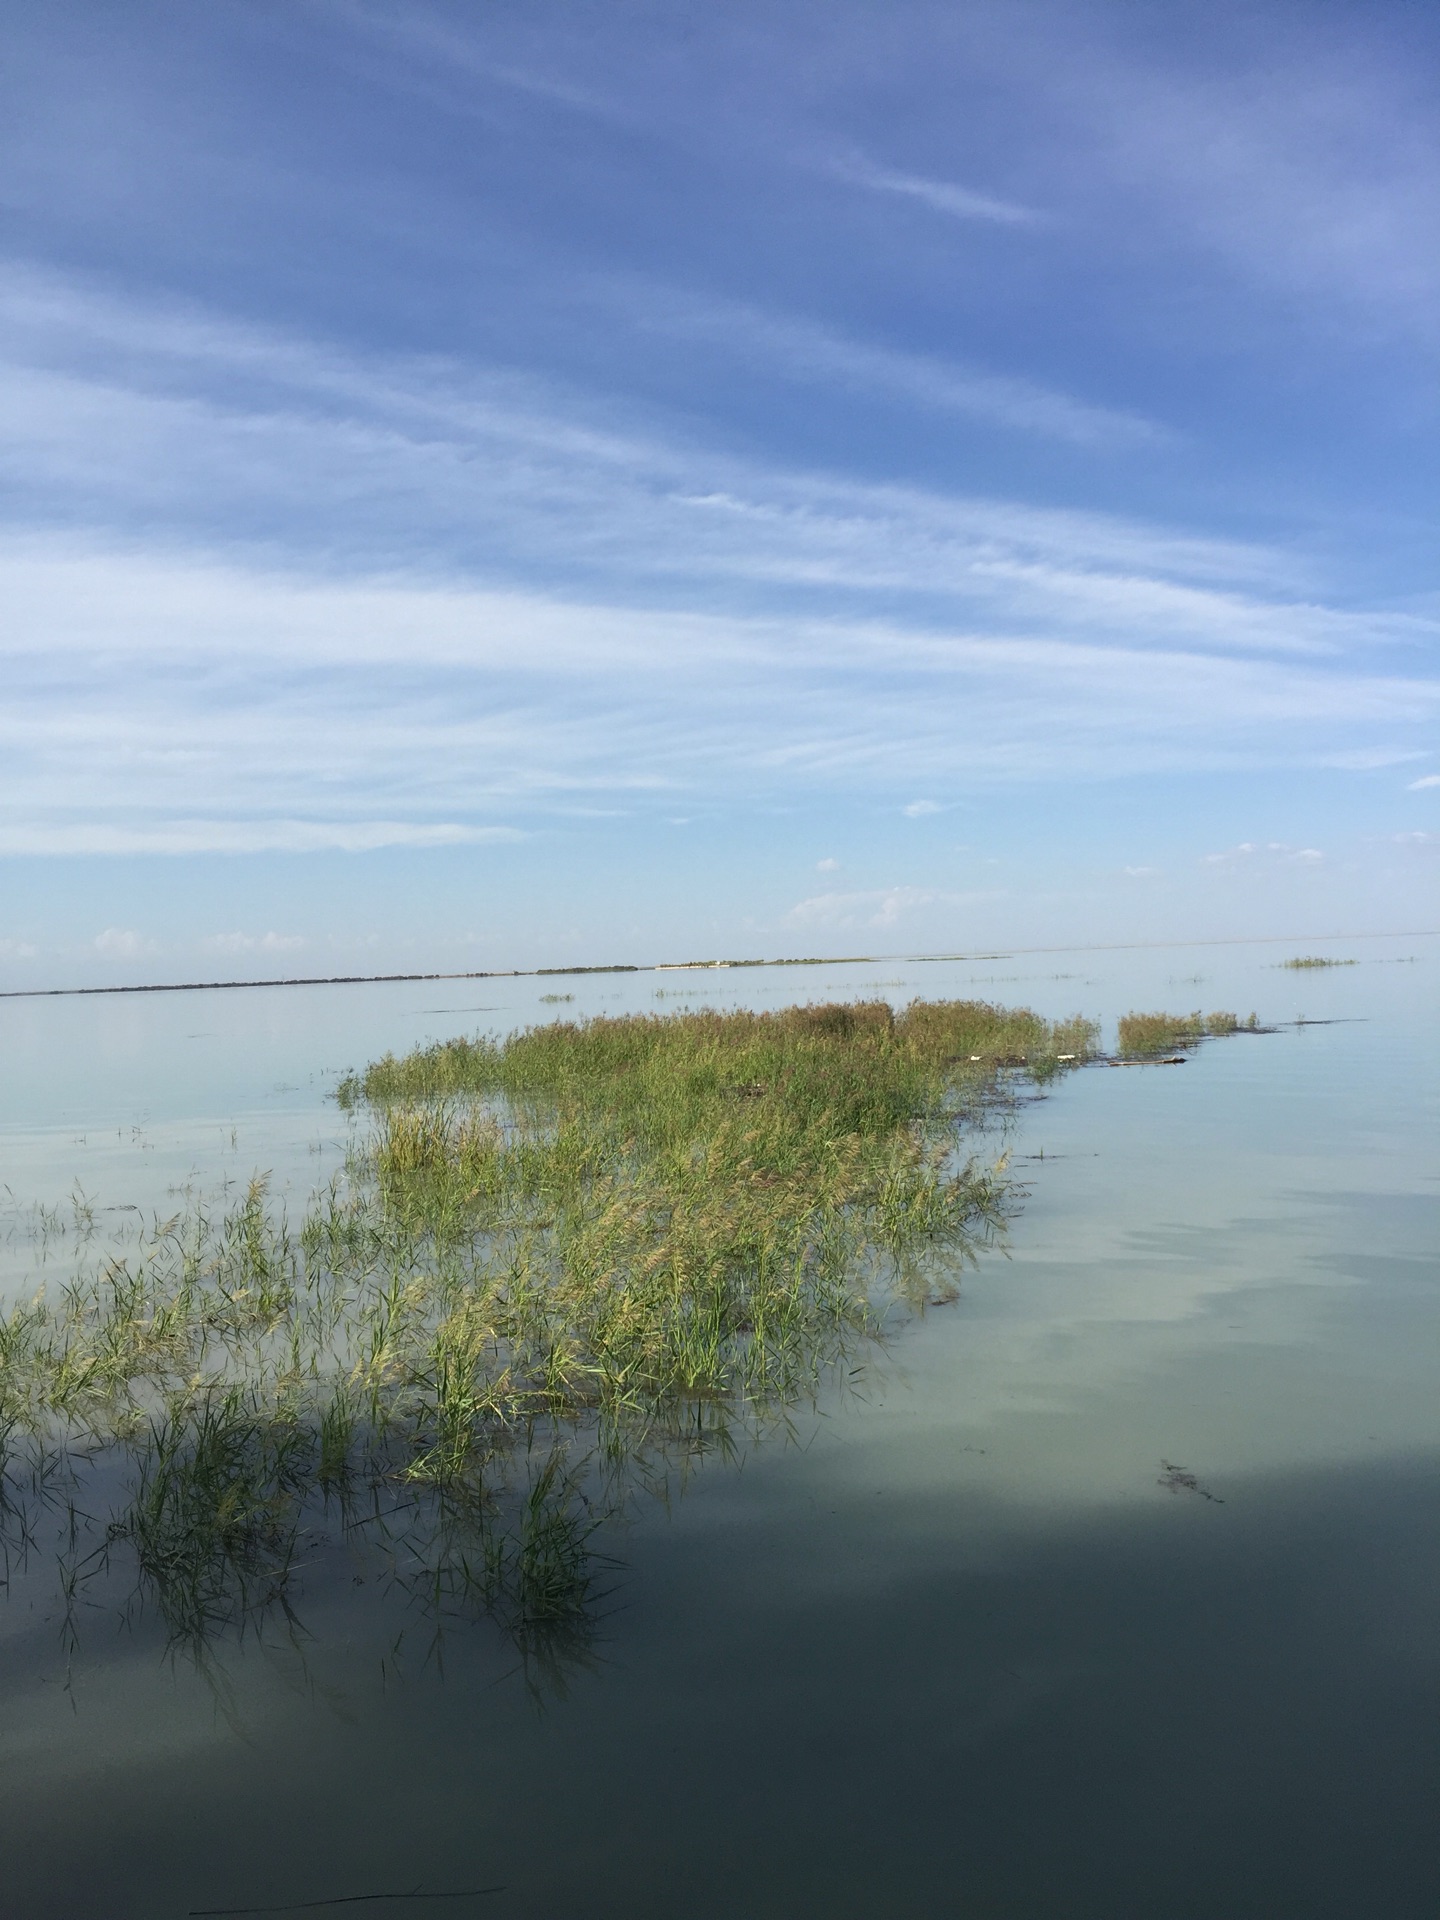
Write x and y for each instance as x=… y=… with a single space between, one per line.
x=1142 y=1034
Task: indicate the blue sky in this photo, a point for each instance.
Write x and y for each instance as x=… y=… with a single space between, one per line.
x=523 y=484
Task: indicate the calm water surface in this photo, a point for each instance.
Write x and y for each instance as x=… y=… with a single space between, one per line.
x=956 y=1646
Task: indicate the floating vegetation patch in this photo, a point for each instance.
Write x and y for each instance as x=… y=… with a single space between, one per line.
x=1306 y=961
x=1143 y=1035
x=557 y=1266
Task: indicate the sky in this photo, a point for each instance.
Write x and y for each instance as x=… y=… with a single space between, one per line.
x=529 y=484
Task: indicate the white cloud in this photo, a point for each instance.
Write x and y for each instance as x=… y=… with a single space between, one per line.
x=352 y=457
x=827 y=866
x=176 y=704
x=17 y=950
x=878 y=907
x=1250 y=852
x=918 y=809
x=1146 y=873
x=643 y=620
x=122 y=943
x=1429 y=780
x=253 y=943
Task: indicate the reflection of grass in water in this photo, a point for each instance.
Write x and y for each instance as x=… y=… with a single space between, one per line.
x=1305 y=961
x=1149 y=1033
x=629 y=1240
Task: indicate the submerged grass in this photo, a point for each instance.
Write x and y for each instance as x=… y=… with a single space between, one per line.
x=602 y=1239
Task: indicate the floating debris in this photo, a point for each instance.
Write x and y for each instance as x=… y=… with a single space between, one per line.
x=1177 y=1480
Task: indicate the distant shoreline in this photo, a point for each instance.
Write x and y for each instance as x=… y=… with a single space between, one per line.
x=702 y=966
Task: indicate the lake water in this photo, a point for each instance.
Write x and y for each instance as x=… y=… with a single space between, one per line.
x=1111 y=1590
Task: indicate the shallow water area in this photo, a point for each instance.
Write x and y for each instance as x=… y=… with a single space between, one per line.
x=1107 y=1589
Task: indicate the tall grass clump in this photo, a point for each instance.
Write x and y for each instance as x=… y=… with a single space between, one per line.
x=695 y=1203
x=1142 y=1034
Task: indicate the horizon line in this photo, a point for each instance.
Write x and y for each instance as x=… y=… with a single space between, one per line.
x=697 y=966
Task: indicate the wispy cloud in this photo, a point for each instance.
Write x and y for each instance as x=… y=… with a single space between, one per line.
x=1374 y=759
x=169 y=419
x=943 y=196
x=801 y=350
x=181 y=836
x=1323 y=186
x=452 y=57
x=439 y=714
x=295 y=599
x=578 y=421
x=880 y=908
x=1426 y=780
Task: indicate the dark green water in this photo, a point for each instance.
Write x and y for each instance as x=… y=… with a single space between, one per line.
x=963 y=1644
